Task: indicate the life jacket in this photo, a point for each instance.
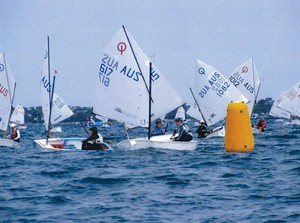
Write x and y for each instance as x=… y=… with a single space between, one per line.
x=263 y=124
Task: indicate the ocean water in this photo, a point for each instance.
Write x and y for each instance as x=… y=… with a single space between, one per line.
x=153 y=185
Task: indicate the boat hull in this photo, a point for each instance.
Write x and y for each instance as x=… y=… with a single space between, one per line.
x=66 y=144
x=217 y=132
x=9 y=143
x=97 y=124
x=220 y=132
x=56 y=129
x=162 y=142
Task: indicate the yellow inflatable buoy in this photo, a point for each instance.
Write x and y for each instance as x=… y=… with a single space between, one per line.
x=238 y=130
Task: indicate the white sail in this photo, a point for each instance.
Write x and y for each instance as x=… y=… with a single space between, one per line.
x=60 y=111
x=275 y=111
x=212 y=92
x=245 y=78
x=121 y=91
x=7 y=87
x=18 y=115
x=180 y=113
x=45 y=89
x=291 y=100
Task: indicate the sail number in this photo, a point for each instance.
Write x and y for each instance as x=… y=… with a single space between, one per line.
x=217 y=83
x=104 y=72
x=236 y=79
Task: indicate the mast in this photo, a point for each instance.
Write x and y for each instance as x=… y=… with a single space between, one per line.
x=197 y=105
x=51 y=90
x=254 y=85
x=150 y=101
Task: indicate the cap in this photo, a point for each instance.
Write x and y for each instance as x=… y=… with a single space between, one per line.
x=13 y=125
x=178 y=119
x=94 y=130
x=202 y=121
x=158 y=120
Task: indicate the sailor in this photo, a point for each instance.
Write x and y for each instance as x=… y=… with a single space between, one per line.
x=94 y=141
x=183 y=131
x=261 y=125
x=158 y=129
x=91 y=120
x=15 y=133
x=202 y=130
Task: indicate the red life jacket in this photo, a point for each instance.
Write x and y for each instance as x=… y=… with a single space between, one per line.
x=263 y=124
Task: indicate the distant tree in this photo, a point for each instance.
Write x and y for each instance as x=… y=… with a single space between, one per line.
x=263 y=106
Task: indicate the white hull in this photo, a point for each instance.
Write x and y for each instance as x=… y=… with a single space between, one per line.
x=67 y=144
x=9 y=143
x=56 y=129
x=162 y=142
x=217 y=132
x=59 y=143
x=295 y=122
x=220 y=132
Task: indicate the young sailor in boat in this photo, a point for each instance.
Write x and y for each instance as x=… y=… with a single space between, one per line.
x=158 y=129
x=15 y=133
x=183 y=131
x=202 y=130
x=261 y=125
x=91 y=120
x=94 y=141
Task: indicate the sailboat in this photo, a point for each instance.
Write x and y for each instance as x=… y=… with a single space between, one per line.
x=277 y=112
x=134 y=92
x=55 y=110
x=7 y=90
x=212 y=92
x=245 y=78
x=17 y=116
x=180 y=113
x=291 y=103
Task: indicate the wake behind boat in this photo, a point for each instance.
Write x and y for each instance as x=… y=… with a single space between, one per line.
x=133 y=92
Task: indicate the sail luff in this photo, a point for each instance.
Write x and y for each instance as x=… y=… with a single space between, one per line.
x=150 y=101
x=50 y=92
x=137 y=62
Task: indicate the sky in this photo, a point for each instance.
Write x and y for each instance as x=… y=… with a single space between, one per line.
x=173 y=33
